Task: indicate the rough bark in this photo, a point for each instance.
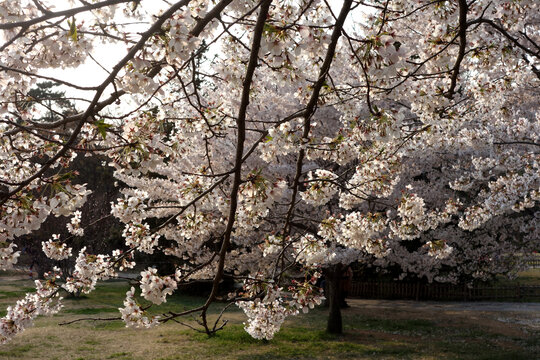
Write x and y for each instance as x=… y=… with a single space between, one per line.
x=333 y=278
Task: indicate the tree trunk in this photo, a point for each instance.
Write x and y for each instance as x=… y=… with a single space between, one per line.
x=333 y=279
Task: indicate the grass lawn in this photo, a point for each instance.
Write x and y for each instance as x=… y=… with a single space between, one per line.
x=369 y=334
x=529 y=277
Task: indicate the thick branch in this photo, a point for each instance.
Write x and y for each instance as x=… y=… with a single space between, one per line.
x=216 y=10
x=66 y=13
x=463 y=7
x=506 y=34
x=311 y=106
x=241 y=128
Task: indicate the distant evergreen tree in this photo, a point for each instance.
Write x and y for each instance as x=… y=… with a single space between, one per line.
x=48 y=100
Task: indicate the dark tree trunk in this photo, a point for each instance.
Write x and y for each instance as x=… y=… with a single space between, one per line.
x=333 y=279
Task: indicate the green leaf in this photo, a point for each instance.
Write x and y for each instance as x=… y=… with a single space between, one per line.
x=72 y=30
x=101 y=127
x=269 y=29
x=64 y=176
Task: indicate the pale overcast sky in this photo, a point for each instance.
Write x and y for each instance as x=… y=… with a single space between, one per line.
x=90 y=74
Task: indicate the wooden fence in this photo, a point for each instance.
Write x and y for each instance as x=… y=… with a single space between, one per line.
x=418 y=291
x=534 y=263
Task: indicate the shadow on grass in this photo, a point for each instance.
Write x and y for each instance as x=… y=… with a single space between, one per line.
x=291 y=343
x=364 y=338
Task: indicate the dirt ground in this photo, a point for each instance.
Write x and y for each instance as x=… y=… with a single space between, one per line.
x=518 y=318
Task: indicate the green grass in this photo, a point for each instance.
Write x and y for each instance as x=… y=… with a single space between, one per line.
x=395 y=325
x=291 y=342
x=369 y=334
x=529 y=277
x=91 y=311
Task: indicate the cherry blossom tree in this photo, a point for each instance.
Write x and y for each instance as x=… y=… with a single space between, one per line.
x=271 y=141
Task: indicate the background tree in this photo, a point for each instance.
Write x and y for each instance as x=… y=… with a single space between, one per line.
x=102 y=233
x=53 y=103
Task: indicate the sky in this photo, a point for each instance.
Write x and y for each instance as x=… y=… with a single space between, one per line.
x=92 y=74
x=108 y=55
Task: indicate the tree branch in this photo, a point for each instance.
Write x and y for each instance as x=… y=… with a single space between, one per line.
x=66 y=13
x=463 y=7
x=241 y=128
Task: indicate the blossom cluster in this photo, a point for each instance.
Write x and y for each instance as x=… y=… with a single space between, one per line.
x=44 y=301
x=129 y=208
x=55 y=249
x=139 y=236
x=123 y=261
x=8 y=256
x=88 y=270
x=264 y=317
x=74 y=227
x=319 y=187
x=306 y=295
x=439 y=249
x=155 y=288
x=256 y=196
x=133 y=315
